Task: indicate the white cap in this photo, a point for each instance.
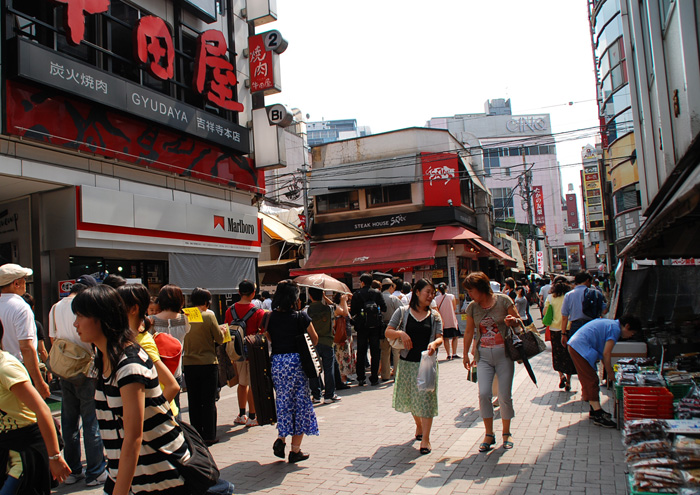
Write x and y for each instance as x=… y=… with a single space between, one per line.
x=11 y=272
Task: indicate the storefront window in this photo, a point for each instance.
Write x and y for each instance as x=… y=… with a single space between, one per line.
x=341 y=201
x=388 y=195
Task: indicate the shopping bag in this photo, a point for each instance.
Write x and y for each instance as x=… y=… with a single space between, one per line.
x=427 y=372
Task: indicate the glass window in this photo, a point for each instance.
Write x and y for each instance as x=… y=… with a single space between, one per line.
x=664 y=10
x=610 y=33
x=617 y=103
x=388 y=195
x=337 y=202
x=491 y=160
x=503 y=203
x=646 y=37
x=605 y=13
x=467 y=191
x=619 y=126
x=626 y=199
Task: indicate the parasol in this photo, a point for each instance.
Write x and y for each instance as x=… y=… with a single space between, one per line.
x=518 y=344
x=323 y=282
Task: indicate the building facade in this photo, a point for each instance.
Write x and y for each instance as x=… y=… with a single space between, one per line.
x=328 y=131
x=125 y=147
x=515 y=156
x=664 y=51
x=406 y=202
x=609 y=32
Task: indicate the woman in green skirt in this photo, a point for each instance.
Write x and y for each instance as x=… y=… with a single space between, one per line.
x=419 y=328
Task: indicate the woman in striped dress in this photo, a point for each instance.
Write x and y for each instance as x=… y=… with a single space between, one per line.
x=142 y=441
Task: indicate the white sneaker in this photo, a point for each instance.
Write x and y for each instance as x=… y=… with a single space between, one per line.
x=72 y=479
x=100 y=480
x=252 y=422
x=241 y=420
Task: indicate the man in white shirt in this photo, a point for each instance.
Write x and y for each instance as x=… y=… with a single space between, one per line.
x=18 y=320
x=267 y=301
x=542 y=296
x=78 y=399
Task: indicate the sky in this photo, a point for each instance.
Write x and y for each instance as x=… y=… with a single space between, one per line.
x=393 y=64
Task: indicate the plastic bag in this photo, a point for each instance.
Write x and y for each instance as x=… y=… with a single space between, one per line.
x=427 y=372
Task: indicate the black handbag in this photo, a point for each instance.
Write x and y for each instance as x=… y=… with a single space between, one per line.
x=199 y=471
x=523 y=345
x=310 y=362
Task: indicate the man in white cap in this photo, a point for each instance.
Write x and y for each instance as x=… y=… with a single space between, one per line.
x=17 y=318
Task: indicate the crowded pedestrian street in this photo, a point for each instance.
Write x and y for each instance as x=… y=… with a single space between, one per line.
x=366 y=447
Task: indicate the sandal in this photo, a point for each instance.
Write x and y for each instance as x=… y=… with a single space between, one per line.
x=424 y=450
x=419 y=437
x=506 y=443
x=568 y=385
x=485 y=447
x=562 y=382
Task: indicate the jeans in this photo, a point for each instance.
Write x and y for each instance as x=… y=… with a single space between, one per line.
x=368 y=338
x=202 y=382
x=79 y=403
x=494 y=362
x=222 y=487
x=327 y=356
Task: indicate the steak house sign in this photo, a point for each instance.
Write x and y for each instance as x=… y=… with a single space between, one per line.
x=214 y=75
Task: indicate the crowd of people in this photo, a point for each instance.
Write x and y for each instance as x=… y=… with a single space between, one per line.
x=133 y=354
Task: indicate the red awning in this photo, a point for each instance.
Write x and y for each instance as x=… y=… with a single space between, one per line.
x=375 y=253
x=453 y=233
x=497 y=253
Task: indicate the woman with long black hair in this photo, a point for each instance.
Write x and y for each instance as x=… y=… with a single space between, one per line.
x=295 y=411
x=142 y=441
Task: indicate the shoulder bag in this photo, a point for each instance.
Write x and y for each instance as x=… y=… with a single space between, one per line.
x=310 y=362
x=527 y=344
x=199 y=471
x=340 y=334
x=70 y=361
x=548 y=316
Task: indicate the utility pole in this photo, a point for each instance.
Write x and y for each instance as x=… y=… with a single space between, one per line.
x=307 y=243
x=528 y=199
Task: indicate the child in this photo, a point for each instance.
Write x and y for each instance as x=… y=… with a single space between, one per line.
x=28 y=442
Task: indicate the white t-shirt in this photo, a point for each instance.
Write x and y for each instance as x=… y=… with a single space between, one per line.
x=18 y=321
x=61 y=319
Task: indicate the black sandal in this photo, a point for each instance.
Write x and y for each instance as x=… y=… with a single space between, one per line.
x=506 y=443
x=424 y=450
x=419 y=437
x=485 y=447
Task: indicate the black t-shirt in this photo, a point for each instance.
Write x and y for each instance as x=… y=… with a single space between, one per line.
x=40 y=335
x=283 y=326
x=420 y=332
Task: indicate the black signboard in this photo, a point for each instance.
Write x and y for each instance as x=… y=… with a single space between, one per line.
x=431 y=217
x=50 y=68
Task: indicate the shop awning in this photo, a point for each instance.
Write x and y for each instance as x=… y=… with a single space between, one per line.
x=276 y=263
x=495 y=252
x=218 y=274
x=280 y=231
x=515 y=251
x=453 y=233
x=374 y=253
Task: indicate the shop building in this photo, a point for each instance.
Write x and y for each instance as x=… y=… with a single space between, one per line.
x=406 y=202
x=505 y=149
x=618 y=156
x=126 y=141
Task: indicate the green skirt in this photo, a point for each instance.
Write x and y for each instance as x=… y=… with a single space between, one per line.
x=407 y=397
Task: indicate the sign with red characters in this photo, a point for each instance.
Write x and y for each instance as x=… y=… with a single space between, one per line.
x=214 y=74
x=538 y=203
x=441 y=179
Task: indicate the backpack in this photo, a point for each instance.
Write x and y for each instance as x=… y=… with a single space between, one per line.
x=592 y=305
x=236 y=349
x=170 y=350
x=371 y=315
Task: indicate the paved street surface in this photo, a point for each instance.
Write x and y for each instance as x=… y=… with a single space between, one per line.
x=366 y=447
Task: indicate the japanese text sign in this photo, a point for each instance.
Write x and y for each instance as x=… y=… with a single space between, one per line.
x=214 y=75
x=538 y=203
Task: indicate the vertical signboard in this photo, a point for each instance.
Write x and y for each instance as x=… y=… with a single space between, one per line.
x=540 y=262
x=441 y=179
x=571 y=211
x=593 y=197
x=538 y=202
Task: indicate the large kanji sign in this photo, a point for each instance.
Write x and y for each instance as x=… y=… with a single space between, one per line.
x=538 y=203
x=215 y=76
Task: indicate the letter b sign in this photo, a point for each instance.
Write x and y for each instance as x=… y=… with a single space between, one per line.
x=279 y=115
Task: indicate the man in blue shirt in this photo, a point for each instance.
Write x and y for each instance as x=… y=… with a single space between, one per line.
x=594 y=341
x=572 y=307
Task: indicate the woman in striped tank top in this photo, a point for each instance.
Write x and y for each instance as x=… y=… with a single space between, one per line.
x=142 y=441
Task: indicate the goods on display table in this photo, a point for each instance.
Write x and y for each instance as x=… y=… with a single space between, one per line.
x=662 y=456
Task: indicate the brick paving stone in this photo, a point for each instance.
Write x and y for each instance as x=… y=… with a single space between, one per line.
x=366 y=447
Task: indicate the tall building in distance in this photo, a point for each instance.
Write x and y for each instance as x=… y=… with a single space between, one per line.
x=328 y=131
x=516 y=157
x=615 y=94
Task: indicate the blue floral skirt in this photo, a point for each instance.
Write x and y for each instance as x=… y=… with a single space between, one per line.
x=295 y=412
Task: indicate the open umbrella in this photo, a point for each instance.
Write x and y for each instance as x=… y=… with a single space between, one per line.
x=518 y=344
x=323 y=282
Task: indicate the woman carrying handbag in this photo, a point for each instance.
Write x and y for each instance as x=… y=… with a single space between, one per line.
x=491 y=314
